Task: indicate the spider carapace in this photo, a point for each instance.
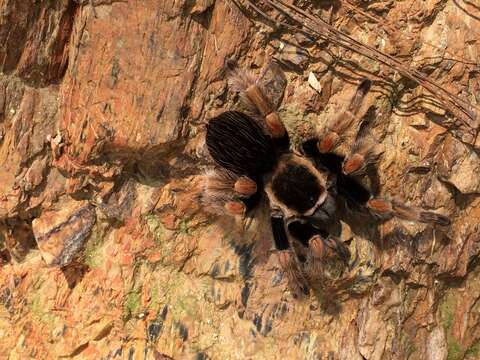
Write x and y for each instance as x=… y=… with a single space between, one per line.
x=305 y=186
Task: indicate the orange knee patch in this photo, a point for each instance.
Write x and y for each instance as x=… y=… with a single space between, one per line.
x=245 y=186
x=380 y=206
x=235 y=207
x=355 y=163
x=328 y=143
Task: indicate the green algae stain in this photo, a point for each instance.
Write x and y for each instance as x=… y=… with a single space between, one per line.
x=455 y=351
x=473 y=351
x=92 y=254
x=447 y=311
x=155 y=227
x=132 y=304
x=37 y=308
x=186 y=305
x=184 y=228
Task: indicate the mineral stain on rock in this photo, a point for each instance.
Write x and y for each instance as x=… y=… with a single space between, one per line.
x=201 y=356
x=61 y=233
x=257 y=321
x=245 y=259
x=154 y=330
x=155 y=327
x=131 y=353
x=183 y=331
x=267 y=327
x=245 y=293
x=215 y=271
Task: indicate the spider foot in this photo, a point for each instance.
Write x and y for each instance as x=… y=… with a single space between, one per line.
x=364 y=152
x=317 y=246
x=393 y=208
x=328 y=248
x=295 y=278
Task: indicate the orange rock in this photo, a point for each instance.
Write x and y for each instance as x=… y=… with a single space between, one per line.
x=124 y=89
x=61 y=232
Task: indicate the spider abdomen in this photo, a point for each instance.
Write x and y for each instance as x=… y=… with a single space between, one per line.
x=237 y=143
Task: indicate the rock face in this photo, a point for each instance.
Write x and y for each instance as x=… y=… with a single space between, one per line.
x=61 y=233
x=105 y=251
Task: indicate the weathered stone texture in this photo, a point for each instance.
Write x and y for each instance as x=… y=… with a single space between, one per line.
x=102 y=113
x=35 y=38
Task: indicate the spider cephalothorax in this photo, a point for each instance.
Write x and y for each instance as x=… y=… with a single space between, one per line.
x=303 y=187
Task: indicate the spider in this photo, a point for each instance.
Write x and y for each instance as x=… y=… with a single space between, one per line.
x=304 y=187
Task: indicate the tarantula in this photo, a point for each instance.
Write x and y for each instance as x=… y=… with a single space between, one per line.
x=304 y=187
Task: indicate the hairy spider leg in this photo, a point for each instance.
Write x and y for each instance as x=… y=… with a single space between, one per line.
x=337 y=128
x=363 y=153
x=394 y=208
x=287 y=258
x=245 y=186
x=319 y=249
x=254 y=97
x=224 y=190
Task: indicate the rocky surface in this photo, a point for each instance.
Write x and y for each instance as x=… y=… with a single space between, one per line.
x=102 y=113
